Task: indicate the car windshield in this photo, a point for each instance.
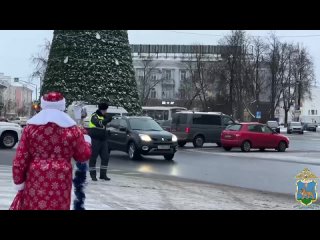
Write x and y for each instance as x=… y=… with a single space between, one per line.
x=235 y=127
x=272 y=124
x=295 y=124
x=144 y=124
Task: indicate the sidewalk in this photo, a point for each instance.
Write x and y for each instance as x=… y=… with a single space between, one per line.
x=126 y=192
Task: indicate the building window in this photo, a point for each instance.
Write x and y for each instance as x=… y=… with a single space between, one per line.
x=153 y=77
x=167 y=74
x=167 y=92
x=140 y=78
x=183 y=75
x=153 y=93
x=182 y=94
x=312 y=112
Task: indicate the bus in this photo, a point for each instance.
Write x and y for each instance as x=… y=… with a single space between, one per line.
x=163 y=115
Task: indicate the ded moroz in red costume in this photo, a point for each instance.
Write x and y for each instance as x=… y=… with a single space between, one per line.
x=42 y=170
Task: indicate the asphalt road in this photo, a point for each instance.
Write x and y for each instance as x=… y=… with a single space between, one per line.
x=269 y=171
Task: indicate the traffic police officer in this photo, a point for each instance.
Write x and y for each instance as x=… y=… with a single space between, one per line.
x=98 y=133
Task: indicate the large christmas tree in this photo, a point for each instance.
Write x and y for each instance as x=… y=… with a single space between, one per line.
x=92 y=66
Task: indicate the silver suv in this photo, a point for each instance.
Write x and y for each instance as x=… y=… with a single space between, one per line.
x=295 y=127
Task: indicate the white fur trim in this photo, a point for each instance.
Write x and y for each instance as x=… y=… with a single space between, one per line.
x=59 y=105
x=54 y=116
x=18 y=187
x=87 y=138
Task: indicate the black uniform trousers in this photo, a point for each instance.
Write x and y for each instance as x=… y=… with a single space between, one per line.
x=99 y=148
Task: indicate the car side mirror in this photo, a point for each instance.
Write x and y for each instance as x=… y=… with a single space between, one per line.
x=123 y=129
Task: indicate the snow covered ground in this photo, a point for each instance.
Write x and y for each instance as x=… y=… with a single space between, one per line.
x=129 y=192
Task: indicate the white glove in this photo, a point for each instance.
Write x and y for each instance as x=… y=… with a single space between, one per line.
x=87 y=138
x=18 y=187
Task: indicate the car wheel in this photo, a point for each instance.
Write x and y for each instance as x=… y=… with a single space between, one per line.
x=301 y=132
x=132 y=151
x=227 y=148
x=182 y=143
x=219 y=144
x=168 y=157
x=262 y=149
x=198 y=141
x=246 y=146
x=282 y=146
x=8 y=140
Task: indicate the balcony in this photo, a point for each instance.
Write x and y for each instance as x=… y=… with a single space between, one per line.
x=169 y=82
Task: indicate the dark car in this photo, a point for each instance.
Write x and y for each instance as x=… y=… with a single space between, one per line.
x=199 y=127
x=141 y=136
x=310 y=127
x=274 y=126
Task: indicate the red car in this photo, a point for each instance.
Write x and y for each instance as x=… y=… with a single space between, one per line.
x=252 y=135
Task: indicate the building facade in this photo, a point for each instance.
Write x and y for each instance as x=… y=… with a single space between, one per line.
x=162 y=70
x=17 y=98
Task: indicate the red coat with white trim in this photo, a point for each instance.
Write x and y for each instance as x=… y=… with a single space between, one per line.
x=43 y=165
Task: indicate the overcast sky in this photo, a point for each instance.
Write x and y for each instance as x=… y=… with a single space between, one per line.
x=17 y=47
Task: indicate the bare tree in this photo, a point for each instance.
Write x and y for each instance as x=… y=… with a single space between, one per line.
x=275 y=57
x=303 y=74
x=202 y=74
x=238 y=72
x=149 y=79
x=288 y=94
x=40 y=61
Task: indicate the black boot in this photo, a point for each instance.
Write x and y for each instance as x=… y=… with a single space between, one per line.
x=103 y=175
x=93 y=176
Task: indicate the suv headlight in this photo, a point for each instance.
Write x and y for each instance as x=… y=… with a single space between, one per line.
x=174 y=138
x=145 y=138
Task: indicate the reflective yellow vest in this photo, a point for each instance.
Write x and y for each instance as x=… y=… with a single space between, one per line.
x=91 y=125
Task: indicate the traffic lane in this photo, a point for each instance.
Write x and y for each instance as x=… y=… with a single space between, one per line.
x=252 y=173
x=6 y=156
x=307 y=142
x=270 y=175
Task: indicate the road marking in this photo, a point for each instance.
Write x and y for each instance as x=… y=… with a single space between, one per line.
x=132 y=173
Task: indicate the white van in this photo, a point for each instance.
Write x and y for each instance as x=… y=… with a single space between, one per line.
x=90 y=109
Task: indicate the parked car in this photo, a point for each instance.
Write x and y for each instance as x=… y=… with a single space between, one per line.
x=162 y=114
x=22 y=121
x=199 y=127
x=253 y=135
x=10 y=134
x=294 y=127
x=140 y=136
x=310 y=127
x=274 y=126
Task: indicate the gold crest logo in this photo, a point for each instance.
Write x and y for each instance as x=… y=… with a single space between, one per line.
x=306 y=192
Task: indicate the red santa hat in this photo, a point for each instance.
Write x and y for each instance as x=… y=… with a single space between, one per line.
x=53 y=105
x=53 y=100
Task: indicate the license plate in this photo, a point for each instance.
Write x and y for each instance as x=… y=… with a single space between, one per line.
x=227 y=136
x=164 y=147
